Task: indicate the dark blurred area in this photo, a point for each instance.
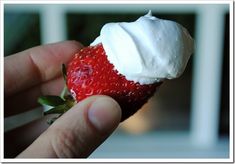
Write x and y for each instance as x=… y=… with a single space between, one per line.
x=224 y=105
x=21 y=31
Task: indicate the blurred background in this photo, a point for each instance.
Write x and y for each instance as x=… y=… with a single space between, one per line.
x=188 y=117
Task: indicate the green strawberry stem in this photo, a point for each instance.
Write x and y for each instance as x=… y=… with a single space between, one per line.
x=64 y=92
x=60 y=104
x=64 y=72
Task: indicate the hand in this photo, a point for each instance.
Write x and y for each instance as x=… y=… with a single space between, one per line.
x=78 y=132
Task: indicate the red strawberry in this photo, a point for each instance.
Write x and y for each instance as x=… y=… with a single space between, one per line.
x=90 y=73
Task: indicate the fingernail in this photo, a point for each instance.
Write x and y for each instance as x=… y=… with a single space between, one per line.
x=104 y=114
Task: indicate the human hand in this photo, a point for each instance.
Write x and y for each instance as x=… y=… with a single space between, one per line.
x=78 y=132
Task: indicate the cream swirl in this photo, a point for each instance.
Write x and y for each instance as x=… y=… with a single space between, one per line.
x=148 y=50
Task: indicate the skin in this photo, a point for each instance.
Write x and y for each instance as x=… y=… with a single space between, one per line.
x=77 y=133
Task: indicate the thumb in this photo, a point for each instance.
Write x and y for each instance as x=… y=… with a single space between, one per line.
x=79 y=131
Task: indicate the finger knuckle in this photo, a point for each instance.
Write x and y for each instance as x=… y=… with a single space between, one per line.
x=64 y=143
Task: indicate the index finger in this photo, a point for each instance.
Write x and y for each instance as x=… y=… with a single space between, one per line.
x=36 y=65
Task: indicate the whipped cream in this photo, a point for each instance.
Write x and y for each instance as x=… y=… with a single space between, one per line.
x=148 y=50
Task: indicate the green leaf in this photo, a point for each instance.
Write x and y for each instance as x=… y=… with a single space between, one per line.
x=64 y=72
x=60 y=109
x=52 y=120
x=51 y=100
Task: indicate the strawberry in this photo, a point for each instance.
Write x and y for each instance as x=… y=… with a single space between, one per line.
x=90 y=73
